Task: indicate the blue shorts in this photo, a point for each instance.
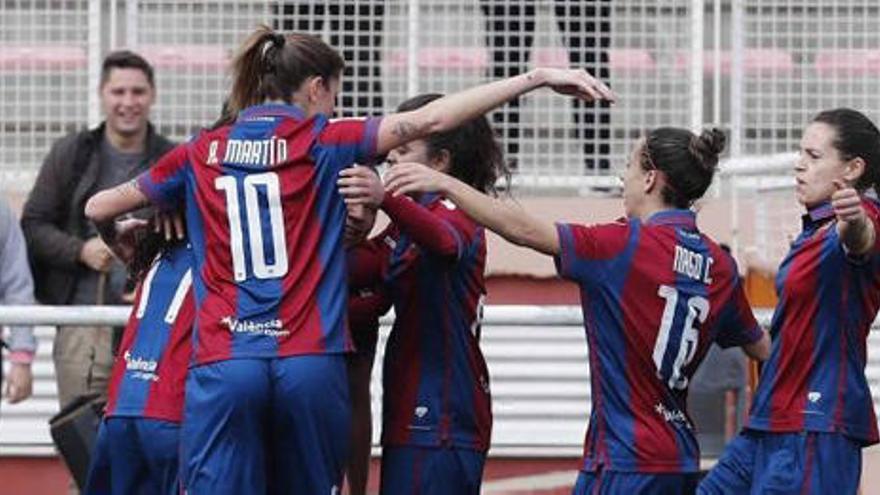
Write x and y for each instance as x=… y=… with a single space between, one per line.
x=266 y=426
x=136 y=456
x=780 y=463
x=613 y=482
x=431 y=471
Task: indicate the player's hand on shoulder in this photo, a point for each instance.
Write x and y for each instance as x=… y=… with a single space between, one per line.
x=411 y=177
x=847 y=203
x=361 y=185
x=170 y=224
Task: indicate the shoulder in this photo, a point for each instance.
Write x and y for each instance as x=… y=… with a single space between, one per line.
x=158 y=144
x=71 y=149
x=446 y=209
x=872 y=207
x=597 y=241
x=72 y=143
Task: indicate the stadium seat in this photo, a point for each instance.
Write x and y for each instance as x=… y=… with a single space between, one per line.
x=850 y=62
x=182 y=56
x=622 y=60
x=631 y=60
x=42 y=57
x=550 y=57
x=446 y=57
x=755 y=61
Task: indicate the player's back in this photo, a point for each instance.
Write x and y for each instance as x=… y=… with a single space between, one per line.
x=148 y=376
x=266 y=223
x=656 y=294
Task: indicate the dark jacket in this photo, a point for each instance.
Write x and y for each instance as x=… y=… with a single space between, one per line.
x=53 y=219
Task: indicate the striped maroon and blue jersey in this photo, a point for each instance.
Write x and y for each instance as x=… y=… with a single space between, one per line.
x=149 y=373
x=655 y=295
x=435 y=378
x=815 y=377
x=266 y=223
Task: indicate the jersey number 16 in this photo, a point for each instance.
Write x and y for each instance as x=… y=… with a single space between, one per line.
x=687 y=336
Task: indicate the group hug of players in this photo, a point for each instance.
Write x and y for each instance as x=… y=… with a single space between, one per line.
x=233 y=372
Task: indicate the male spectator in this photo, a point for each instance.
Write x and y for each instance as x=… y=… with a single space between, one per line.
x=16 y=287
x=71 y=264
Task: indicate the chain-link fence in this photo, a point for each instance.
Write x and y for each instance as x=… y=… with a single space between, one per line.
x=756 y=68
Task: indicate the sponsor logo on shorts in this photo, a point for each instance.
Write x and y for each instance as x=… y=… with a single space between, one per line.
x=814 y=396
x=140 y=368
x=271 y=328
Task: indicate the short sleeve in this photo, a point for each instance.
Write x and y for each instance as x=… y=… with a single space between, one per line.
x=350 y=141
x=738 y=324
x=164 y=183
x=586 y=248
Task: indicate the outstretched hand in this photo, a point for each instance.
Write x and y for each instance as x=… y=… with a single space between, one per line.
x=411 y=177
x=847 y=204
x=578 y=83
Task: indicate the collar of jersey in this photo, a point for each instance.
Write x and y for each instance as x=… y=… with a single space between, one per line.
x=674 y=217
x=818 y=215
x=272 y=110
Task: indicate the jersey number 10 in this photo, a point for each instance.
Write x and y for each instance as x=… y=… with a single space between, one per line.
x=697 y=309
x=272 y=190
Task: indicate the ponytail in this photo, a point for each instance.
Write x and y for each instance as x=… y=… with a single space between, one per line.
x=269 y=65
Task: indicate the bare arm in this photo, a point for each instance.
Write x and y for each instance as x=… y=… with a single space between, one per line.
x=505 y=218
x=451 y=111
x=759 y=350
x=108 y=204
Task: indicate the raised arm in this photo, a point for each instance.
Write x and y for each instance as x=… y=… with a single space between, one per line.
x=108 y=204
x=503 y=217
x=451 y=111
x=162 y=185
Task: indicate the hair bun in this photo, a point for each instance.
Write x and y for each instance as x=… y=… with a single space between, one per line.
x=707 y=146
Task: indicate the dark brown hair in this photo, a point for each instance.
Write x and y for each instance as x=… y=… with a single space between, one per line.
x=270 y=65
x=148 y=247
x=688 y=161
x=475 y=155
x=126 y=59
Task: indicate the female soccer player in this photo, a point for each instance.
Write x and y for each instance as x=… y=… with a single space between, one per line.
x=139 y=438
x=367 y=301
x=437 y=415
x=267 y=400
x=656 y=293
x=812 y=413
